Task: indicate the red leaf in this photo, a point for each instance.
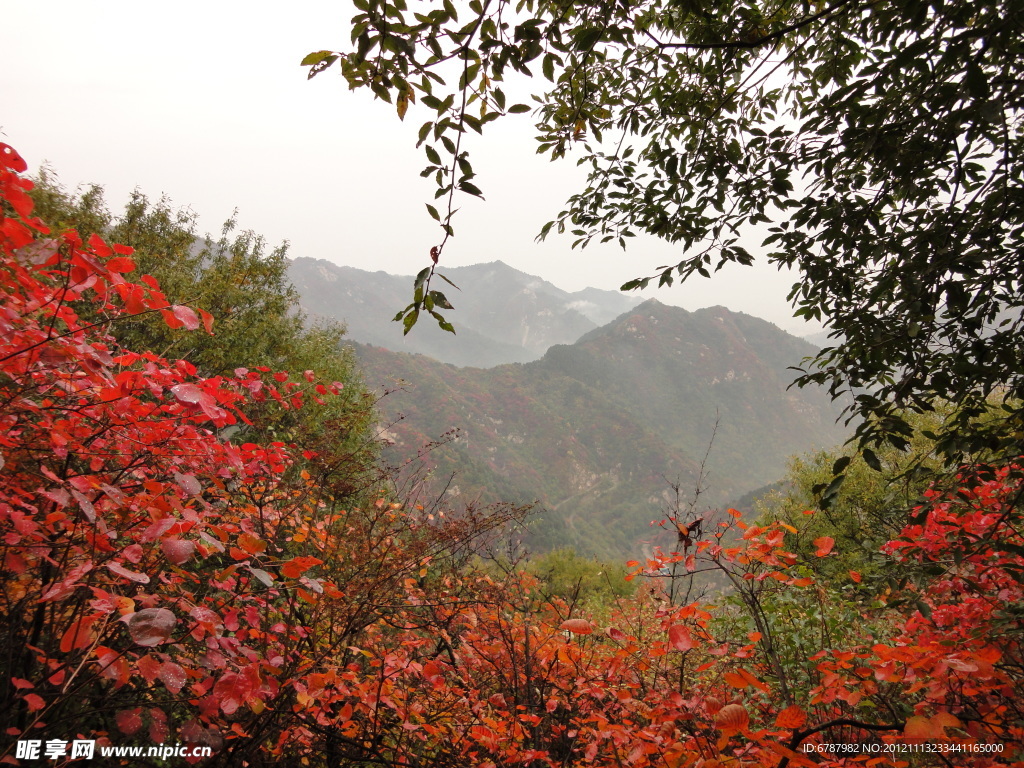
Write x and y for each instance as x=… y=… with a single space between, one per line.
x=186 y=315
x=177 y=551
x=133 y=297
x=824 y=545
x=855 y=576
x=35 y=702
x=172 y=676
x=190 y=394
x=679 y=638
x=9 y=158
x=231 y=691
x=148 y=667
x=120 y=570
x=188 y=483
x=129 y=720
x=151 y=627
x=171 y=319
x=121 y=264
x=791 y=718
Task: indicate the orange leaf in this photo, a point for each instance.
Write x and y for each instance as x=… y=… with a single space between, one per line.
x=736 y=680
x=855 y=576
x=941 y=722
x=751 y=680
x=917 y=729
x=79 y=635
x=576 y=626
x=299 y=565
x=207 y=319
x=732 y=717
x=824 y=545
x=792 y=717
x=250 y=544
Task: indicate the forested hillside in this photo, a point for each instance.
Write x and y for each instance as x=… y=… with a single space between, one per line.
x=598 y=431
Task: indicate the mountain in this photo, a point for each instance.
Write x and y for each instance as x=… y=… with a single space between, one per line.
x=502 y=315
x=598 y=431
x=820 y=339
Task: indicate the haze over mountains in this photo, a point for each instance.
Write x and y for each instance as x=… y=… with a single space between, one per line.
x=502 y=315
x=599 y=425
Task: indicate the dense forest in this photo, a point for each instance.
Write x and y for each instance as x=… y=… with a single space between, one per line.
x=198 y=546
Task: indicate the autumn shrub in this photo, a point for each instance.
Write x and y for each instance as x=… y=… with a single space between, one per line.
x=162 y=582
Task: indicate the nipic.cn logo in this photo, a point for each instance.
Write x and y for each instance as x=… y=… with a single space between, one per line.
x=85 y=749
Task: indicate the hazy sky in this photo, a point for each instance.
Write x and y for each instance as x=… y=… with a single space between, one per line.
x=206 y=102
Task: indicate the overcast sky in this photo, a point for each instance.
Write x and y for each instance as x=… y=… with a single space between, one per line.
x=206 y=102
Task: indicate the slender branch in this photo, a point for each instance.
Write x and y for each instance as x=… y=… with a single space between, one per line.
x=770 y=38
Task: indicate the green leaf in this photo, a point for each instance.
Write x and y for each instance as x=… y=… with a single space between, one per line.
x=548 y=67
x=421 y=278
x=871 y=459
x=587 y=38
x=453 y=285
x=314 y=58
x=518 y=109
x=840 y=464
x=410 y=321
x=440 y=300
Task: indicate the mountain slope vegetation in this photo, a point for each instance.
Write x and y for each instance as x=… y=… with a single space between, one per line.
x=598 y=431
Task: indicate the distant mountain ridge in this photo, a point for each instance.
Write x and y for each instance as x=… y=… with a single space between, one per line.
x=597 y=430
x=502 y=315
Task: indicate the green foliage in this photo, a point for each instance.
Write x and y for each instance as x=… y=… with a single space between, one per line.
x=869 y=508
x=580 y=580
x=244 y=286
x=880 y=143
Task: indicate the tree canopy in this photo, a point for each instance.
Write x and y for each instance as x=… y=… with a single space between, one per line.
x=244 y=287
x=874 y=147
